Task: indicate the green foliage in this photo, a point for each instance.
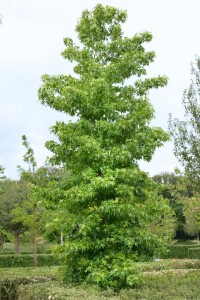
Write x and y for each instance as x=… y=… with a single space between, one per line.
x=167 y=279
x=169 y=264
x=26 y=260
x=27 y=248
x=12 y=193
x=183 y=251
x=175 y=187
x=194 y=253
x=192 y=215
x=30 y=211
x=169 y=285
x=110 y=210
x=57 y=291
x=11 y=279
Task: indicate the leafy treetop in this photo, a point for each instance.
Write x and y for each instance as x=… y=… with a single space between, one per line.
x=114 y=116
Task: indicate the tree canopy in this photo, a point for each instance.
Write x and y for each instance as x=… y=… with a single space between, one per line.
x=109 y=202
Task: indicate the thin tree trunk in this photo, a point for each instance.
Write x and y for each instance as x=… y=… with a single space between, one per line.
x=198 y=237
x=35 y=240
x=61 y=237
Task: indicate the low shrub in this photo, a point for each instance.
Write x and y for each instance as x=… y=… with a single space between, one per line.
x=11 y=261
x=183 y=251
x=180 y=285
x=10 y=279
x=169 y=285
x=56 y=291
x=165 y=264
x=26 y=248
x=166 y=280
x=13 y=253
x=8 y=287
x=194 y=252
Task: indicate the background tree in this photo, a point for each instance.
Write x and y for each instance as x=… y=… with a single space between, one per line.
x=186 y=134
x=107 y=199
x=13 y=192
x=175 y=187
x=32 y=212
x=32 y=215
x=192 y=216
x=53 y=180
x=28 y=212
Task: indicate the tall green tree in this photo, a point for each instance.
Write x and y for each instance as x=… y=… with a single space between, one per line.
x=186 y=134
x=108 y=201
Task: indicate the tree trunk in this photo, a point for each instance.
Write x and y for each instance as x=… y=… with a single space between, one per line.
x=198 y=237
x=17 y=232
x=35 y=240
x=61 y=237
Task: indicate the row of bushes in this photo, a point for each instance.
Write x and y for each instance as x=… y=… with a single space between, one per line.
x=183 y=251
x=8 y=288
x=169 y=264
x=23 y=253
x=26 y=248
x=11 y=279
x=12 y=261
x=164 y=283
x=173 y=286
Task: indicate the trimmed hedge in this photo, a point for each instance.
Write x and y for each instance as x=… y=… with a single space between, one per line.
x=26 y=248
x=172 y=280
x=183 y=251
x=13 y=261
x=9 y=283
x=57 y=291
x=194 y=252
x=13 y=253
x=171 y=285
x=8 y=287
x=169 y=264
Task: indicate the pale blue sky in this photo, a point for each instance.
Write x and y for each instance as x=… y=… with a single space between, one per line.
x=31 y=40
